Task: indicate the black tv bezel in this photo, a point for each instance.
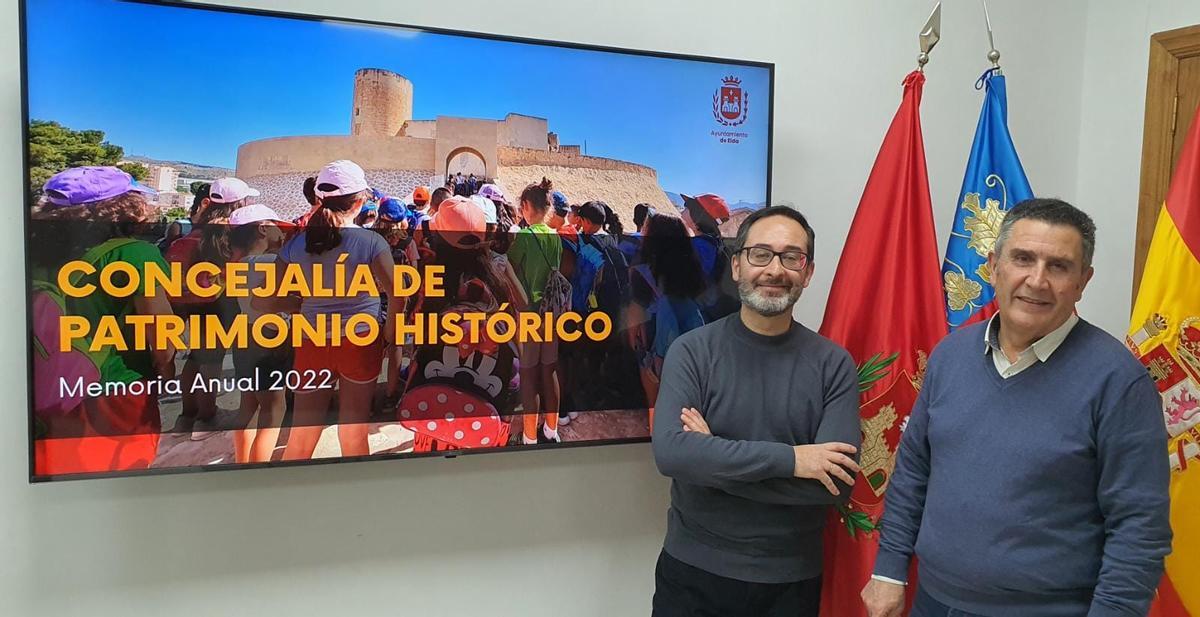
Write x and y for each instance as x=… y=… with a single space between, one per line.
x=26 y=222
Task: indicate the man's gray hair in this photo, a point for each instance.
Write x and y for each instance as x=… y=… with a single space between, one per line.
x=1054 y=212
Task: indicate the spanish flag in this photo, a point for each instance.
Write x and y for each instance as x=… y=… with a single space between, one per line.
x=1164 y=333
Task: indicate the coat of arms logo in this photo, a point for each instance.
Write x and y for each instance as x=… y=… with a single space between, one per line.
x=730 y=102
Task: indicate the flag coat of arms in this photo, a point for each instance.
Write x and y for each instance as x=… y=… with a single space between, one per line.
x=994 y=182
x=886 y=308
x=1164 y=332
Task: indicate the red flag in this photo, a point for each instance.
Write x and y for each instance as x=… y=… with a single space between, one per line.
x=886 y=307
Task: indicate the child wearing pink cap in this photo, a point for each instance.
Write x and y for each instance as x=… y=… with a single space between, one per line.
x=472 y=283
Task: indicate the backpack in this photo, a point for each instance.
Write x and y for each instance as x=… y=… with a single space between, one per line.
x=49 y=304
x=185 y=228
x=720 y=297
x=671 y=318
x=556 y=294
x=588 y=263
x=613 y=291
x=630 y=244
x=185 y=251
x=457 y=394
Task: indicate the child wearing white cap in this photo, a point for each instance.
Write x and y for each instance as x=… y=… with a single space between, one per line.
x=206 y=242
x=230 y=190
x=333 y=241
x=256 y=233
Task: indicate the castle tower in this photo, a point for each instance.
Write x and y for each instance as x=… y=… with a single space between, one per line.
x=382 y=103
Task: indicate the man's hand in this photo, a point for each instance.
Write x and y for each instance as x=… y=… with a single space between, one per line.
x=883 y=599
x=824 y=461
x=693 y=422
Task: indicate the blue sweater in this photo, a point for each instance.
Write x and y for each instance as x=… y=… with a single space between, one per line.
x=1043 y=495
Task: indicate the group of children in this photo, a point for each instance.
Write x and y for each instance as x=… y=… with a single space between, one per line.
x=537 y=253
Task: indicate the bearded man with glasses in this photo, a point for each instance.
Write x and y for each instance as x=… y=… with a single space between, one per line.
x=758 y=428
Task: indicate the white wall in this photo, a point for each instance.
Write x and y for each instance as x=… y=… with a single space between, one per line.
x=1112 y=110
x=839 y=79
x=569 y=532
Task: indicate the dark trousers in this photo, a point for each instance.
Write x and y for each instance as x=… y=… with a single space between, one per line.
x=681 y=590
x=925 y=606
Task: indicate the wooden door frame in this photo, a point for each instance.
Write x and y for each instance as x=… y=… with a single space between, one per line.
x=1166 y=50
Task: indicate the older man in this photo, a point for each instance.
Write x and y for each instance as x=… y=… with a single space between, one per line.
x=749 y=495
x=1031 y=480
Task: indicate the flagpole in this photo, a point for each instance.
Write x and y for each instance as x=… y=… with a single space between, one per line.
x=993 y=55
x=931 y=33
x=893 y=229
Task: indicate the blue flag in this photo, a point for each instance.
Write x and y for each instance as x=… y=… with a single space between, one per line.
x=994 y=182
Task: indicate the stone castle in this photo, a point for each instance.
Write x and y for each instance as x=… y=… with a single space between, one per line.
x=399 y=153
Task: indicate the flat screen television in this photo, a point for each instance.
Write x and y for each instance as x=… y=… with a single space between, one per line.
x=265 y=239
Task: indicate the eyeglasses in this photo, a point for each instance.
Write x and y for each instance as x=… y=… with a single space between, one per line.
x=761 y=256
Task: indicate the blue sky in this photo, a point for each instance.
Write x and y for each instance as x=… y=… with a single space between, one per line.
x=191 y=85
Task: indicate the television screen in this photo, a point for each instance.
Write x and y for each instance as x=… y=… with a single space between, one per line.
x=266 y=239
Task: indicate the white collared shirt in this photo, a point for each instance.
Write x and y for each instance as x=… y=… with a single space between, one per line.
x=1040 y=350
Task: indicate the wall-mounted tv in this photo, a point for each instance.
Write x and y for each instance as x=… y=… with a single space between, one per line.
x=262 y=239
